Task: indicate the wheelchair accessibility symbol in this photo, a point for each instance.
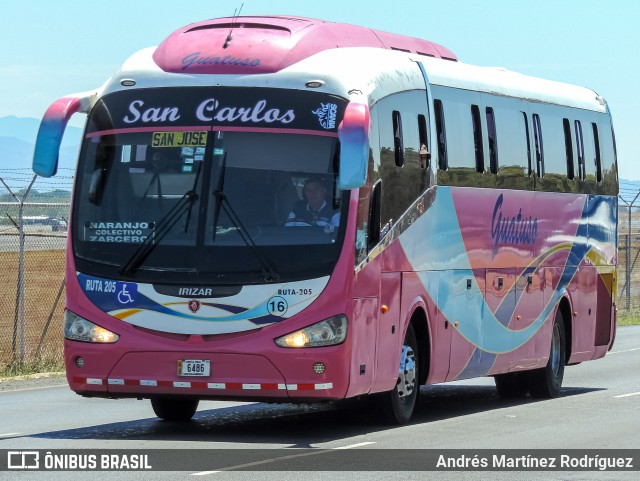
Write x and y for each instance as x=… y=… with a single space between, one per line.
x=126 y=293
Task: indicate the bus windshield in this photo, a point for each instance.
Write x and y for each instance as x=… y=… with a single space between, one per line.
x=205 y=203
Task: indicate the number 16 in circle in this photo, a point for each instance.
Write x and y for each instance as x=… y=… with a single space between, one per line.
x=277 y=306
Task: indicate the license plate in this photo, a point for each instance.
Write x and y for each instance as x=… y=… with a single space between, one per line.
x=194 y=367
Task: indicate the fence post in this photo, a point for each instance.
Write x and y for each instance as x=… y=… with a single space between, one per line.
x=46 y=326
x=20 y=301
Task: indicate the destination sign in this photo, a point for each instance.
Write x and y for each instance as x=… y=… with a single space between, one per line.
x=166 y=111
x=179 y=139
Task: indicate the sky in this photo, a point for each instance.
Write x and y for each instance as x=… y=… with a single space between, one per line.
x=53 y=48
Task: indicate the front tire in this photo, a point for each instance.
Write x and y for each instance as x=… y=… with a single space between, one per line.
x=174 y=410
x=399 y=403
x=545 y=383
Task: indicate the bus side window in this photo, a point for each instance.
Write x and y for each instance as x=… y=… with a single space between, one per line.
x=425 y=156
x=568 y=146
x=492 y=137
x=441 y=132
x=537 y=135
x=477 y=138
x=397 y=138
x=580 y=149
x=526 y=130
x=373 y=234
x=598 y=160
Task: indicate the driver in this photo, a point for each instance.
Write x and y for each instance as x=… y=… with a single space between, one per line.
x=314 y=209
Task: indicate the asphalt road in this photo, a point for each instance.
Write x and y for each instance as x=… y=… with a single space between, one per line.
x=598 y=409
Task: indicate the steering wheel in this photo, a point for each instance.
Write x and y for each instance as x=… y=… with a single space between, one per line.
x=294 y=221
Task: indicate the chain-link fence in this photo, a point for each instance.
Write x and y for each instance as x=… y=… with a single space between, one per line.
x=33 y=233
x=629 y=251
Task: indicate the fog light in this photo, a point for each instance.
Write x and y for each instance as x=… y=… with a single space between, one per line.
x=79 y=362
x=319 y=368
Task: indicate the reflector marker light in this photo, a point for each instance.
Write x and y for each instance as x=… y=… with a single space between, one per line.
x=205 y=385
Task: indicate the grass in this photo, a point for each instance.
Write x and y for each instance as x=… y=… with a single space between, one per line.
x=14 y=369
x=632 y=319
x=44 y=274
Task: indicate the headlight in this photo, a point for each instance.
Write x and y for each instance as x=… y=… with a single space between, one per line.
x=77 y=328
x=329 y=332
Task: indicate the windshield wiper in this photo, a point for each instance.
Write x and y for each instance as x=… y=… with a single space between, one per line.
x=223 y=202
x=162 y=228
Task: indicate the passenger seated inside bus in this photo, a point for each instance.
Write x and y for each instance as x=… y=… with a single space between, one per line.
x=314 y=209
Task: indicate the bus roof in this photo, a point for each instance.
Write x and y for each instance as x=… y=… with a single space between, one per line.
x=290 y=51
x=259 y=45
x=503 y=82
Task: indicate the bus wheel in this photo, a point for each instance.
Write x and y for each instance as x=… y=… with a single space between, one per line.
x=547 y=381
x=511 y=385
x=175 y=410
x=399 y=403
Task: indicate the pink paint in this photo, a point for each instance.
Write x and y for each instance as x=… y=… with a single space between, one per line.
x=318 y=133
x=260 y=45
x=134 y=130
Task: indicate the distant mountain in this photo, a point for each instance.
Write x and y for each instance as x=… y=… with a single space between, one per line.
x=17 y=141
x=22 y=128
x=26 y=129
x=15 y=153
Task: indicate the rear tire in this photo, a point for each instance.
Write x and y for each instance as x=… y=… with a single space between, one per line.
x=174 y=410
x=398 y=404
x=511 y=385
x=545 y=383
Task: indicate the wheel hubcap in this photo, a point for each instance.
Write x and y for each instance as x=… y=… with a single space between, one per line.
x=407 y=375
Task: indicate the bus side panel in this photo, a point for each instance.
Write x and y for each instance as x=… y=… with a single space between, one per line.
x=603 y=221
x=583 y=293
x=463 y=301
x=529 y=304
x=604 y=283
x=390 y=329
x=501 y=300
x=363 y=333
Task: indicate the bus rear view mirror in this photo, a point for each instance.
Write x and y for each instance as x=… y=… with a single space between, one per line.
x=54 y=122
x=353 y=133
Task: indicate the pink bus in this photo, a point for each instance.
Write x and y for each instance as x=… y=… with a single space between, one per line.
x=287 y=209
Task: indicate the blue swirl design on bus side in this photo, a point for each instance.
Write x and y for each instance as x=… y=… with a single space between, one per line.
x=478 y=324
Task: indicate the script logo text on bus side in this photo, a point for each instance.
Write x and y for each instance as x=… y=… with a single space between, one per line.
x=512 y=230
